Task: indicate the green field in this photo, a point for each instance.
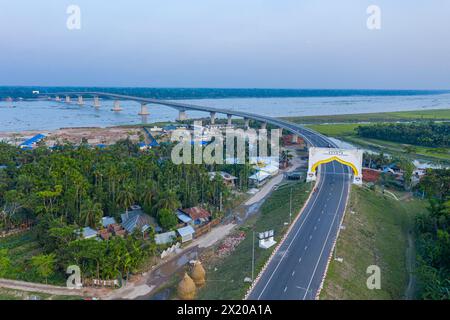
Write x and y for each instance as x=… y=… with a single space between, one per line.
x=435 y=115
x=346 y=132
x=225 y=278
x=375 y=234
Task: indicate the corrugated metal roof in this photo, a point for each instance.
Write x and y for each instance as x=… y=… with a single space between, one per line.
x=32 y=140
x=163 y=238
x=184 y=218
x=106 y=221
x=185 y=231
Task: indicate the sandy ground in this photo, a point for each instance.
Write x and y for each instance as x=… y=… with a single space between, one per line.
x=76 y=135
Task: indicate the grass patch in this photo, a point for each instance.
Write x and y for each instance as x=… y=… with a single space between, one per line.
x=9 y=294
x=225 y=277
x=21 y=248
x=346 y=132
x=376 y=234
x=419 y=115
x=336 y=130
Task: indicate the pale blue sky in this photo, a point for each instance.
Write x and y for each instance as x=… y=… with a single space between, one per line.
x=226 y=43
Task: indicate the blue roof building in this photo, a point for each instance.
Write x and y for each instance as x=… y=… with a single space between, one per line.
x=27 y=144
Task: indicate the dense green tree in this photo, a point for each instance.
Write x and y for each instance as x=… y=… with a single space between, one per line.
x=44 y=265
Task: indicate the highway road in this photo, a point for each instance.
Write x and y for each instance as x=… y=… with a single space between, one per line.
x=297 y=269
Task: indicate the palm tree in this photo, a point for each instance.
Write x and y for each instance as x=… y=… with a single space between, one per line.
x=167 y=200
x=149 y=193
x=125 y=197
x=91 y=213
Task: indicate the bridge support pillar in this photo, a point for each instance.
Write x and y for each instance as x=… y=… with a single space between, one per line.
x=182 y=116
x=246 y=123
x=68 y=99
x=80 y=101
x=294 y=138
x=116 y=107
x=57 y=99
x=264 y=125
x=96 y=102
x=213 y=117
x=144 y=110
x=229 y=123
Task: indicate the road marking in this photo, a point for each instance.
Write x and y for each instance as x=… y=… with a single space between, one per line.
x=285 y=289
x=306 y=248
x=325 y=243
x=310 y=237
x=293 y=272
x=292 y=241
x=315 y=228
x=300 y=260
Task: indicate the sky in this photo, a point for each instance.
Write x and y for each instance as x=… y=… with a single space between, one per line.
x=227 y=44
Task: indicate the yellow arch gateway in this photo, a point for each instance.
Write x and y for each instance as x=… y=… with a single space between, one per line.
x=334 y=158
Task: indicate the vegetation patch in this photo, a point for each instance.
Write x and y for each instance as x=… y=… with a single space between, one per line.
x=376 y=233
x=419 y=115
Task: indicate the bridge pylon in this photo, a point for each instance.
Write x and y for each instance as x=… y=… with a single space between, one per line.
x=116 y=107
x=144 y=110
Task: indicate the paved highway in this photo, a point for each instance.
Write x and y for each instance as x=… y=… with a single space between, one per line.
x=297 y=269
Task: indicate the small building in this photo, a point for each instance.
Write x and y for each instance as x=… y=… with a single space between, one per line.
x=186 y=233
x=270 y=169
x=135 y=220
x=169 y=127
x=198 y=215
x=228 y=179
x=259 y=178
x=184 y=218
x=31 y=143
x=88 y=233
x=165 y=238
x=107 y=221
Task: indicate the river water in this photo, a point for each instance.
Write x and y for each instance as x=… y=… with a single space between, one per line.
x=49 y=115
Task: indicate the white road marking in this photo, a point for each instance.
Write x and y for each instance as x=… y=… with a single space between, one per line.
x=293 y=272
x=285 y=289
x=292 y=241
x=325 y=243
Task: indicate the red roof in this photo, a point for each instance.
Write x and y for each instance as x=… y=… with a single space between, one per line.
x=197 y=213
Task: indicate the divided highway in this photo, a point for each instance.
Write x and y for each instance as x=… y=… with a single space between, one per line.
x=297 y=269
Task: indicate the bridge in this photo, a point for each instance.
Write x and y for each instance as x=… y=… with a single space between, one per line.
x=297 y=269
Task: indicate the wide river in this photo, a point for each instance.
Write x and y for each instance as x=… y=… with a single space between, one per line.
x=49 y=115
